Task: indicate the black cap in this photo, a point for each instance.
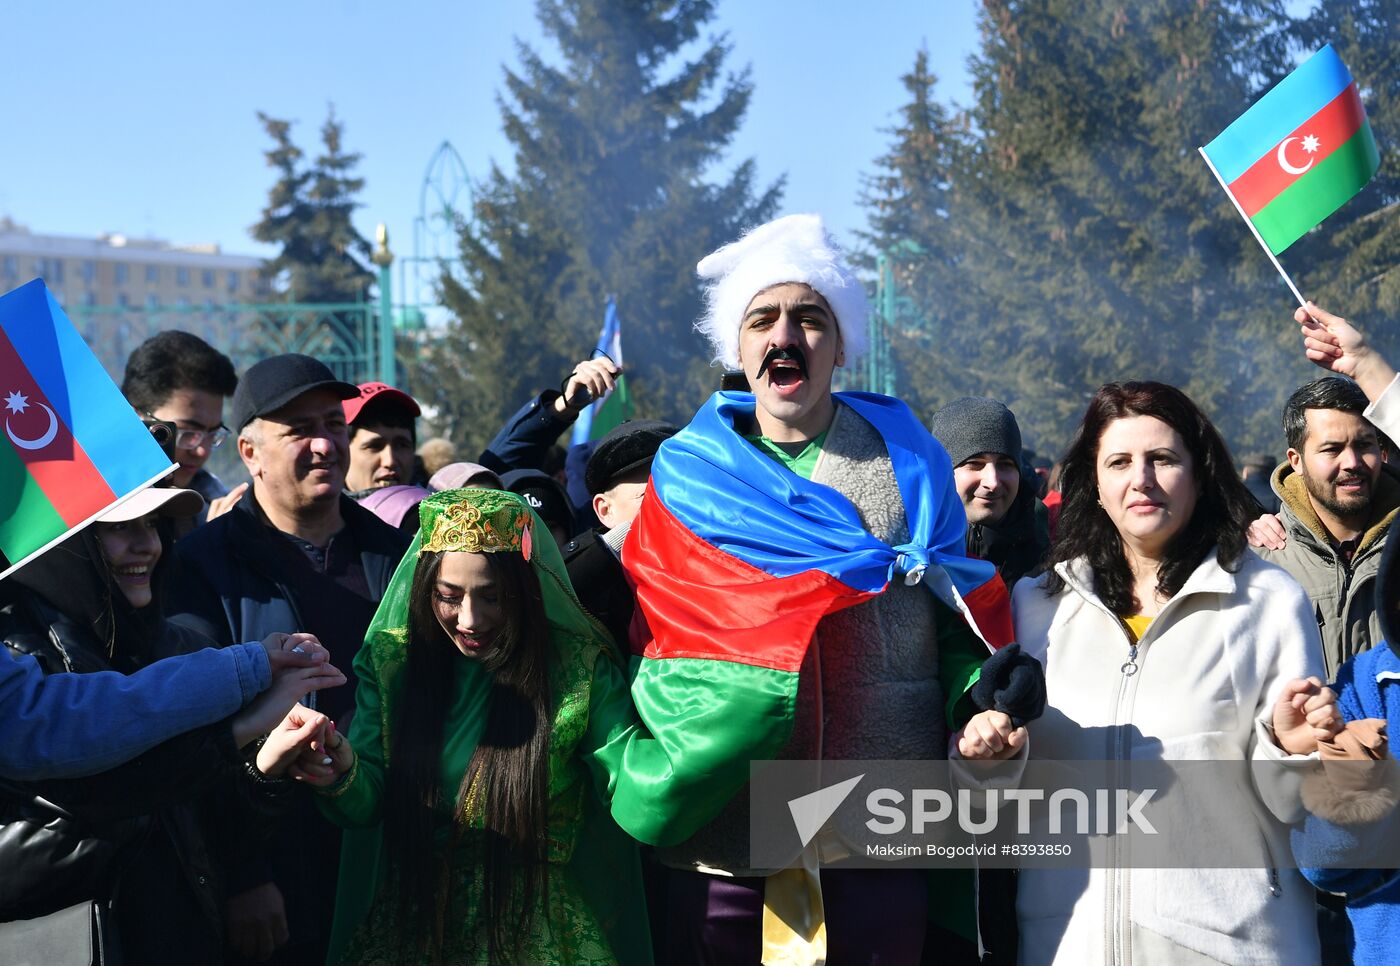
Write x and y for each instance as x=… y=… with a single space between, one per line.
x=625 y=448
x=545 y=495
x=269 y=385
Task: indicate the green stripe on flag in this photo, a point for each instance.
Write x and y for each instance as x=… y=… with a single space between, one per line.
x=707 y=720
x=614 y=411
x=1330 y=184
x=27 y=519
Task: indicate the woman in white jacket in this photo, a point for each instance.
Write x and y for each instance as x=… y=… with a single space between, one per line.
x=1164 y=638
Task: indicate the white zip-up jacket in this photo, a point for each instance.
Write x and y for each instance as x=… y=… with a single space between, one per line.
x=1208 y=671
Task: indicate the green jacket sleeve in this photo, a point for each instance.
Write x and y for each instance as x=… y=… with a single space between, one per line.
x=355 y=801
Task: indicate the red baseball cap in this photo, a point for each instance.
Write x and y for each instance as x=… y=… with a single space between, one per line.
x=380 y=394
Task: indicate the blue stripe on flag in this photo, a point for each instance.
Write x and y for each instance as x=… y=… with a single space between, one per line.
x=79 y=389
x=742 y=502
x=1300 y=95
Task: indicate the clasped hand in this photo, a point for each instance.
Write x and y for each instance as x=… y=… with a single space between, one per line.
x=989 y=736
x=300 y=664
x=1304 y=714
x=306 y=747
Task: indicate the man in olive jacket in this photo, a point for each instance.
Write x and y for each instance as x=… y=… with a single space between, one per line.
x=1339 y=498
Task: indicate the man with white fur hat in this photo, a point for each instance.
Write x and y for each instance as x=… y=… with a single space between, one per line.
x=783 y=557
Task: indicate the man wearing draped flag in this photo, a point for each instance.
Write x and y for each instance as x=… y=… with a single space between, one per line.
x=803 y=593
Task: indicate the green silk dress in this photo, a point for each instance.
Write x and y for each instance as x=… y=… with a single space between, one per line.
x=592 y=910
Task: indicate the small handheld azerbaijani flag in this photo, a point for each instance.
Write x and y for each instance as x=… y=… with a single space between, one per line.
x=615 y=407
x=72 y=445
x=1300 y=153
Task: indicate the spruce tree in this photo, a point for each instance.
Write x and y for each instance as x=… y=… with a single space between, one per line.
x=1092 y=243
x=908 y=198
x=909 y=201
x=615 y=144
x=322 y=257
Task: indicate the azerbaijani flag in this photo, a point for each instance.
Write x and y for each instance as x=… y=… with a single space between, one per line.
x=614 y=408
x=1300 y=153
x=72 y=445
x=736 y=560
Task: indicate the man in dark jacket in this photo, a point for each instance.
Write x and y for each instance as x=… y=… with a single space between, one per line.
x=178 y=378
x=297 y=554
x=546 y=497
x=1255 y=471
x=617 y=479
x=525 y=439
x=383 y=434
x=1006 y=523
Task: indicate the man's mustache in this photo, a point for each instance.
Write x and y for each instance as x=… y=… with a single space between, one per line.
x=787 y=353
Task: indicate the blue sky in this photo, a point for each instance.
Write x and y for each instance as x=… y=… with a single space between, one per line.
x=140 y=117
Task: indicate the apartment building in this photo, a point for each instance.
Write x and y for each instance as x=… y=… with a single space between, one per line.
x=115 y=271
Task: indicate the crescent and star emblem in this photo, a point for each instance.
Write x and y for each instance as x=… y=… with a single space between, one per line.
x=17 y=402
x=1310 y=145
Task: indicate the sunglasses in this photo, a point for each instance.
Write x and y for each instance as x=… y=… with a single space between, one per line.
x=193 y=438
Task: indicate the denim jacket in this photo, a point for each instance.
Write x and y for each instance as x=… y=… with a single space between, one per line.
x=68 y=725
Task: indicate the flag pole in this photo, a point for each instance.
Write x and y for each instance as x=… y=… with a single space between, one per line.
x=1254 y=231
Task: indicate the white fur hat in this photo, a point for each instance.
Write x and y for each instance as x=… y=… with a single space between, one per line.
x=795 y=248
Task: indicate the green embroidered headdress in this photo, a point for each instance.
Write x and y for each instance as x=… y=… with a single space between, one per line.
x=477 y=521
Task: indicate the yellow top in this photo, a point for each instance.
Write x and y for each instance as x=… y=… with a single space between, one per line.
x=1136 y=625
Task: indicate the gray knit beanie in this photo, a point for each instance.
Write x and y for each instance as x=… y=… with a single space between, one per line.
x=975 y=424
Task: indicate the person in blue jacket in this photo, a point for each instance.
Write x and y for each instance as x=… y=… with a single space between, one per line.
x=72 y=725
x=1367 y=686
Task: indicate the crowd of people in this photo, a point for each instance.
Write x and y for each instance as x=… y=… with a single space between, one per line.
x=381 y=704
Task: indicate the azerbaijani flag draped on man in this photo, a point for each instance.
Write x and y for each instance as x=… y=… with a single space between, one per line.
x=616 y=406
x=72 y=444
x=1300 y=153
x=736 y=559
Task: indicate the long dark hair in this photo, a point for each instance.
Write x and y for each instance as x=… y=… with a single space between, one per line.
x=1224 y=508
x=510 y=766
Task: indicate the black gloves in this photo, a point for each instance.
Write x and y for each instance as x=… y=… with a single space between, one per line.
x=1013 y=683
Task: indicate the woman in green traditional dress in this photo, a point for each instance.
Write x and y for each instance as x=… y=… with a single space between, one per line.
x=486 y=700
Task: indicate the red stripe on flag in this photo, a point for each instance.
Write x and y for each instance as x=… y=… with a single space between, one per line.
x=1332 y=126
x=696 y=601
x=990 y=606
x=45 y=445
